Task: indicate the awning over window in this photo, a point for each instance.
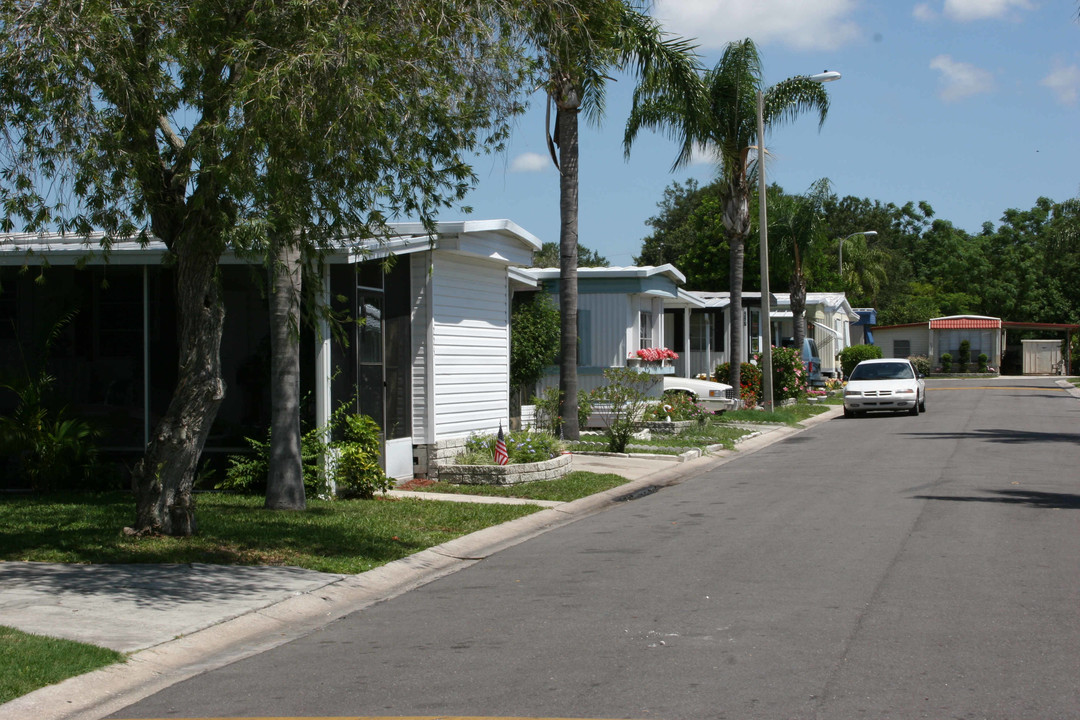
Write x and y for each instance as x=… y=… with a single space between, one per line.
x=965 y=323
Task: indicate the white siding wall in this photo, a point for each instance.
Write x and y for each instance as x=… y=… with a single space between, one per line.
x=919 y=337
x=471 y=342
x=604 y=334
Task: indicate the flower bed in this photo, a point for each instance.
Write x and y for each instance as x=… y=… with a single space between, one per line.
x=506 y=474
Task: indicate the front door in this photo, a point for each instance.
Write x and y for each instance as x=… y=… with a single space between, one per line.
x=383 y=359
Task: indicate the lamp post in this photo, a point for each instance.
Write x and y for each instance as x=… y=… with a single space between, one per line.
x=766 y=351
x=848 y=237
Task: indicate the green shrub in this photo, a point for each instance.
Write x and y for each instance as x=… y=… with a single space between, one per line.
x=247 y=473
x=946 y=363
x=534 y=338
x=749 y=379
x=964 y=356
x=855 y=354
x=547 y=410
x=624 y=399
x=356 y=460
x=357 y=473
x=921 y=363
x=46 y=447
x=983 y=359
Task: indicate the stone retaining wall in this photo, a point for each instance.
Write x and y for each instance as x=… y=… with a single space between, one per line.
x=505 y=474
x=663 y=427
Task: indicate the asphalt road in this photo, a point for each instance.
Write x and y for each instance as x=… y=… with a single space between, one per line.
x=885 y=566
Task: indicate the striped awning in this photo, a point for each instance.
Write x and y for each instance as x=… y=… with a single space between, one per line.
x=965 y=323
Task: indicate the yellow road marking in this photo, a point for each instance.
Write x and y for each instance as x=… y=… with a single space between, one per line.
x=999 y=387
x=384 y=717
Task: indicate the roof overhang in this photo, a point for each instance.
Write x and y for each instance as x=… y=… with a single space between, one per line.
x=498 y=240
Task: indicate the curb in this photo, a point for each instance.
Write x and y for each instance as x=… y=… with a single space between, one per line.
x=103 y=692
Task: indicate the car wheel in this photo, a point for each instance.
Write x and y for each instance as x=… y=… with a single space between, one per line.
x=848 y=413
x=914 y=409
x=922 y=405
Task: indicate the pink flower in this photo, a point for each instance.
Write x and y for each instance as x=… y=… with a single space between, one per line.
x=656 y=354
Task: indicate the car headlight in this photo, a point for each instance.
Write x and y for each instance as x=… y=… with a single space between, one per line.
x=906 y=391
x=849 y=393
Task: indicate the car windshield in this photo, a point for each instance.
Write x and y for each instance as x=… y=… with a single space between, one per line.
x=882 y=371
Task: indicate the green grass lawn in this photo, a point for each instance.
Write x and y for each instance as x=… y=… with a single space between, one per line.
x=789 y=415
x=342 y=536
x=572 y=486
x=29 y=662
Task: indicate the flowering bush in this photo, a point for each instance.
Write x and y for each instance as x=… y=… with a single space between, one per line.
x=922 y=364
x=656 y=354
x=789 y=374
x=749 y=379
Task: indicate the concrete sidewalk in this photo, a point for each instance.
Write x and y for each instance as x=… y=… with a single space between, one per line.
x=181 y=620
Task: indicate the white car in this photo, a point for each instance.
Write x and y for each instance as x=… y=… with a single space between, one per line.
x=713 y=396
x=884 y=384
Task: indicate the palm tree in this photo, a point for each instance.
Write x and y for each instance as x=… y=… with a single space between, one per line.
x=581 y=43
x=724 y=123
x=797 y=224
x=865 y=271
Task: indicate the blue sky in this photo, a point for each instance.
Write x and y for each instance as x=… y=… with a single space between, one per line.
x=970 y=105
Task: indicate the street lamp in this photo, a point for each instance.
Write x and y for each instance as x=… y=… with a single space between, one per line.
x=766 y=355
x=864 y=232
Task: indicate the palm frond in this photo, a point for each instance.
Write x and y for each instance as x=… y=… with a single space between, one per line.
x=788 y=99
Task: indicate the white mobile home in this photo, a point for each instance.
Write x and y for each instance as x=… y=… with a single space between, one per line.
x=829 y=317
x=427 y=355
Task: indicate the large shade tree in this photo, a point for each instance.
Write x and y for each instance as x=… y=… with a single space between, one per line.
x=580 y=46
x=207 y=123
x=723 y=123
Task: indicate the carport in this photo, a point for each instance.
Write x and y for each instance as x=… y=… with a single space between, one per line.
x=1067 y=328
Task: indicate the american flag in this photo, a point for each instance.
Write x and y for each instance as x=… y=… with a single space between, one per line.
x=501 y=458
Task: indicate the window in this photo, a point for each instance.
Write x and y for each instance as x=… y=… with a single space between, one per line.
x=585 y=338
x=645 y=329
x=755 y=330
x=699 y=331
x=901 y=348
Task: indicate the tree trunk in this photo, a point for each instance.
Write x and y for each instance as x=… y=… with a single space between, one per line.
x=285 y=482
x=566 y=129
x=798 y=302
x=736 y=205
x=163 y=479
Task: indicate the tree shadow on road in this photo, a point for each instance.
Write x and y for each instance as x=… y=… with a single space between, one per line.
x=1002 y=435
x=1030 y=498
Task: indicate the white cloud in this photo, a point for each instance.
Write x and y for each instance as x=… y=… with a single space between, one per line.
x=924 y=13
x=965 y=10
x=530 y=162
x=821 y=25
x=1064 y=81
x=960 y=79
